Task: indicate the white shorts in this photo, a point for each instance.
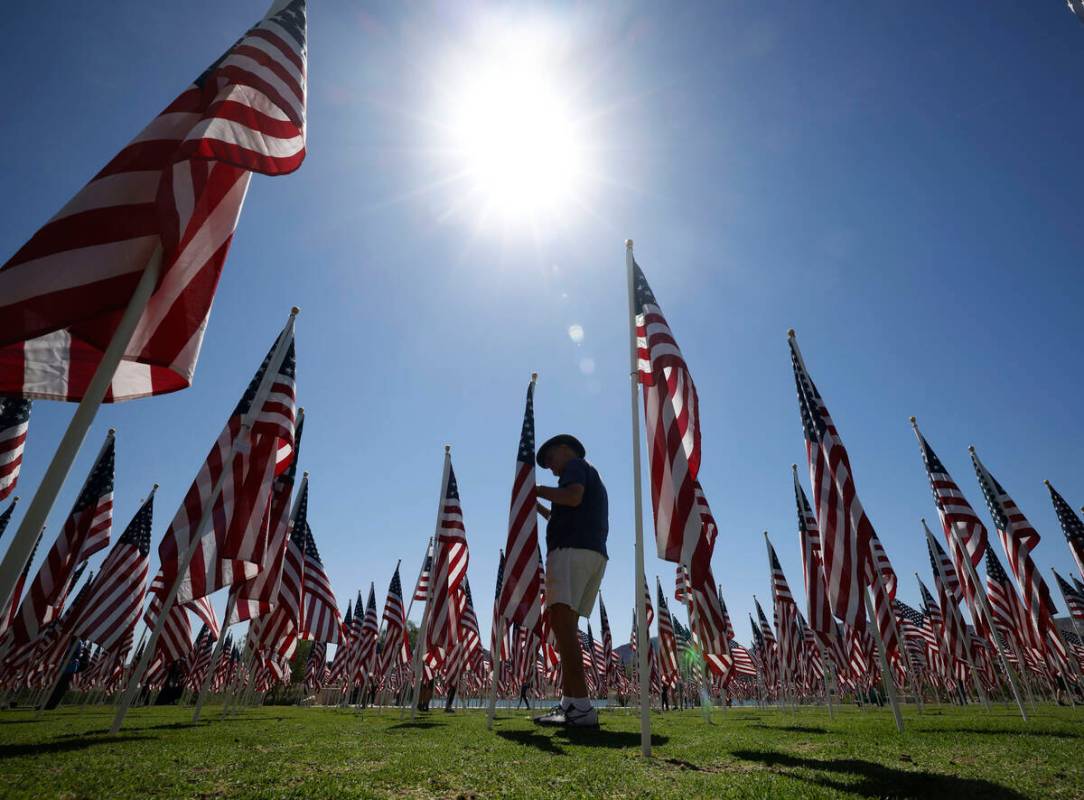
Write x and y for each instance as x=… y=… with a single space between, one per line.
x=573 y=578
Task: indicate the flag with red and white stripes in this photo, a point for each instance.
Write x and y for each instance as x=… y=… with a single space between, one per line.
x=821 y=621
x=257 y=442
x=520 y=591
x=14 y=424
x=85 y=532
x=320 y=618
x=954 y=628
x=279 y=630
x=498 y=635
x=179 y=185
x=421 y=590
x=785 y=613
x=668 y=652
x=845 y=530
x=672 y=420
x=5 y=518
x=1011 y=617
x=396 y=638
x=364 y=663
x=1070 y=523
x=112 y=609
x=1019 y=538
x=1074 y=598
x=450 y=558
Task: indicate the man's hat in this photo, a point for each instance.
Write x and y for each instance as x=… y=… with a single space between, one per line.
x=559 y=439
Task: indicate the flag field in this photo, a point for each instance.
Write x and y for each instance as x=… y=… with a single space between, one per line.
x=287 y=752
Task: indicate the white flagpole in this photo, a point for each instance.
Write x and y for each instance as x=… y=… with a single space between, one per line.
x=201 y=530
x=22 y=544
x=641 y=611
x=419 y=650
x=886 y=672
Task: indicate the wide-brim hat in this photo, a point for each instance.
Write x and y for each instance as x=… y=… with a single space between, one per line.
x=559 y=439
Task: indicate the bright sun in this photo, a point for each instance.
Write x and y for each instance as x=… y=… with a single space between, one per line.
x=513 y=138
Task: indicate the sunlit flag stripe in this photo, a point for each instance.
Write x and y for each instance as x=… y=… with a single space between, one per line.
x=844 y=528
x=396 y=643
x=672 y=420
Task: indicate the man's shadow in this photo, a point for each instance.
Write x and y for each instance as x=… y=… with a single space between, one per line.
x=552 y=743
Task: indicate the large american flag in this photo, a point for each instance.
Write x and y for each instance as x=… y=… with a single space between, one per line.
x=319 y=612
x=178 y=185
x=948 y=587
x=1011 y=616
x=520 y=592
x=116 y=598
x=85 y=532
x=845 y=530
x=450 y=557
x=279 y=630
x=786 y=617
x=1071 y=526
x=956 y=514
x=1074 y=599
x=498 y=636
x=256 y=442
x=672 y=419
x=396 y=640
x=14 y=424
x=1019 y=538
x=668 y=655
x=259 y=595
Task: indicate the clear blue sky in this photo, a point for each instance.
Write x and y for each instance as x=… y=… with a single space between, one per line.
x=900 y=183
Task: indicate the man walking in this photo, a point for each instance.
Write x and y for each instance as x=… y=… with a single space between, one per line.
x=578 y=522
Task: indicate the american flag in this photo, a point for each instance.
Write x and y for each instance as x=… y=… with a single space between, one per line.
x=343 y=652
x=913 y=630
x=938 y=629
x=520 y=592
x=820 y=612
x=672 y=418
x=498 y=637
x=607 y=636
x=116 y=599
x=179 y=185
x=1019 y=538
x=176 y=637
x=314 y=666
x=649 y=612
x=7 y=616
x=450 y=557
x=668 y=656
x=769 y=647
x=1071 y=526
x=954 y=630
x=279 y=631
x=364 y=666
x=682 y=587
x=1011 y=617
x=5 y=518
x=320 y=613
x=396 y=640
x=242 y=461
x=743 y=662
x=259 y=595
x=786 y=616
x=1074 y=599
x=845 y=530
x=85 y=532
x=421 y=591
x=882 y=593
x=200 y=658
x=14 y=423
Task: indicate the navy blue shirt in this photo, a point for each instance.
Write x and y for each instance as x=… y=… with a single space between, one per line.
x=587 y=524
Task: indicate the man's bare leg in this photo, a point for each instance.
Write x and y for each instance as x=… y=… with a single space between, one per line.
x=564 y=622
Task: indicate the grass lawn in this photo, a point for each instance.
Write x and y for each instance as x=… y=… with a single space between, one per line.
x=313 y=753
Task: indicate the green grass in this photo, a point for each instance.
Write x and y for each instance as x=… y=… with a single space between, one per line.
x=287 y=752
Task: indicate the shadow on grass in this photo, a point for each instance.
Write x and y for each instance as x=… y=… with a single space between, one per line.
x=64 y=745
x=1007 y=732
x=877 y=780
x=607 y=738
x=420 y=725
x=532 y=739
x=791 y=728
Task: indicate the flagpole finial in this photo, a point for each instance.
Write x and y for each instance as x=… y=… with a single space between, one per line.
x=923 y=520
x=790 y=333
x=112 y=432
x=294 y=311
x=305 y=474
x=912 y=420
x=1046 y=482
x=628 y=244
x=154 y=487
x=971 y=449
x=447 y=449
x=534 y=377
x=794 y=467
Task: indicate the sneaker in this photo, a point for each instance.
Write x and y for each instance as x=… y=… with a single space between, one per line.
x=556 y=716
x=574 y=718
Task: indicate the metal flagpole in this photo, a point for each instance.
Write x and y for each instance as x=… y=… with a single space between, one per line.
x=201 y=529
x=889 y=681
x=419 y=650
x=22 y=544
x=641 y=610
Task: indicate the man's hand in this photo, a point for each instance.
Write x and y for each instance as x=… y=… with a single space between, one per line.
x=545 y=512
x=571 y=495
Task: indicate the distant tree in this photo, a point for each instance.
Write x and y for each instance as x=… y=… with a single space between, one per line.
x=299 y=660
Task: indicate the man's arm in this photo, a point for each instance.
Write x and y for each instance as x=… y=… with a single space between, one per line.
x=545 y=512
x=571 y=495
